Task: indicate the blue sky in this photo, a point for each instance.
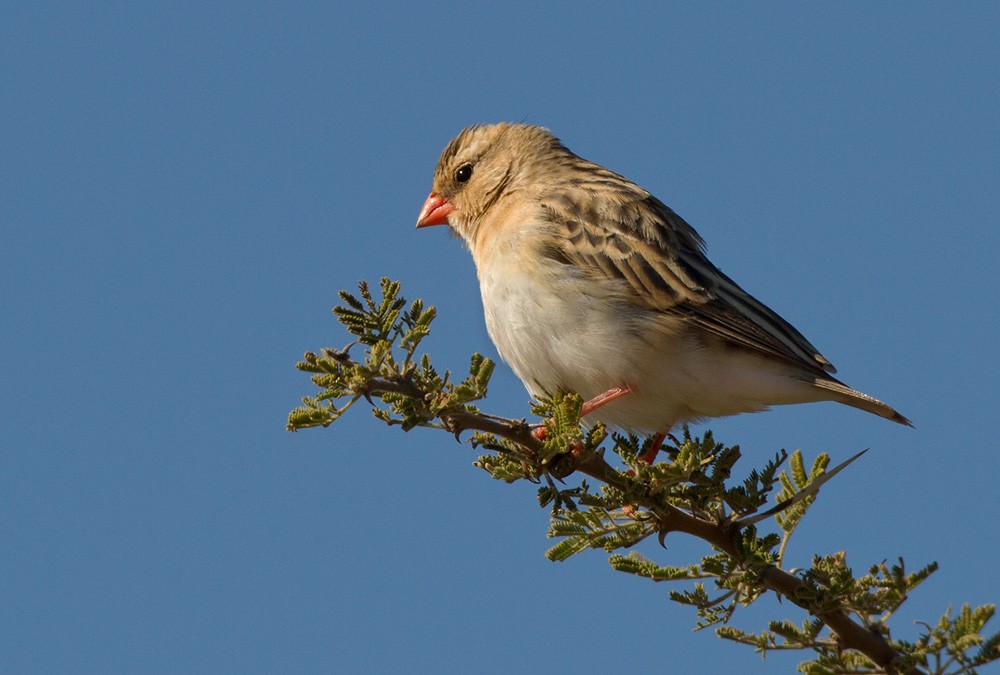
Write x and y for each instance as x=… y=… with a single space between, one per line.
x=185 y=186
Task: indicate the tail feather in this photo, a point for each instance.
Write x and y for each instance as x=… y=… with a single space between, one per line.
x=844 y=394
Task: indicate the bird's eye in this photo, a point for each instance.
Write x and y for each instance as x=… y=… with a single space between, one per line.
x=463 y=173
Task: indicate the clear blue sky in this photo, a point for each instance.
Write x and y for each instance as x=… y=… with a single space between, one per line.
x=185 y=186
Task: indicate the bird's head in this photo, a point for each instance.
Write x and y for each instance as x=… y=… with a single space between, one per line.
x=481 y=166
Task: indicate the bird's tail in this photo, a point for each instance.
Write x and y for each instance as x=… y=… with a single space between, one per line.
x=844 y=394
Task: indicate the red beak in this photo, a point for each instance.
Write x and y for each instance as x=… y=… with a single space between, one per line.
x=435 y=211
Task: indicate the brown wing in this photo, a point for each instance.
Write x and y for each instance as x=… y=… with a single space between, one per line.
x=623 y=232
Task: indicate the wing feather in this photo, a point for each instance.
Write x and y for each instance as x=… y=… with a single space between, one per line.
x=624 y=233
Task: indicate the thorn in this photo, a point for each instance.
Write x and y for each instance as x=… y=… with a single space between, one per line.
x=805 y=492
x=339 y=354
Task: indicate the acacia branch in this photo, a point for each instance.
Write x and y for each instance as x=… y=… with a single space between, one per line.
x=457 y=419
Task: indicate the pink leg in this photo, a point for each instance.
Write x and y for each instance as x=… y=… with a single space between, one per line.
x=590 y=406
x=615 y=393
x=650 y=455
x=603 y=399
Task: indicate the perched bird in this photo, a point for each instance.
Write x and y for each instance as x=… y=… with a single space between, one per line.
x=592 y=284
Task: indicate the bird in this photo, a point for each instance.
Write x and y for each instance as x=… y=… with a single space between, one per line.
x=591 y=284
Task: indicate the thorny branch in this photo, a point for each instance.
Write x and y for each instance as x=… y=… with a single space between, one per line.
x=669 y=518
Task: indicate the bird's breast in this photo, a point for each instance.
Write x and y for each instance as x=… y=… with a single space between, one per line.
x=553 y=326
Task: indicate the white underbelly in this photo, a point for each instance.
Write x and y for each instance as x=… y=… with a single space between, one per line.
x=556 y=332
x=553 y=336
